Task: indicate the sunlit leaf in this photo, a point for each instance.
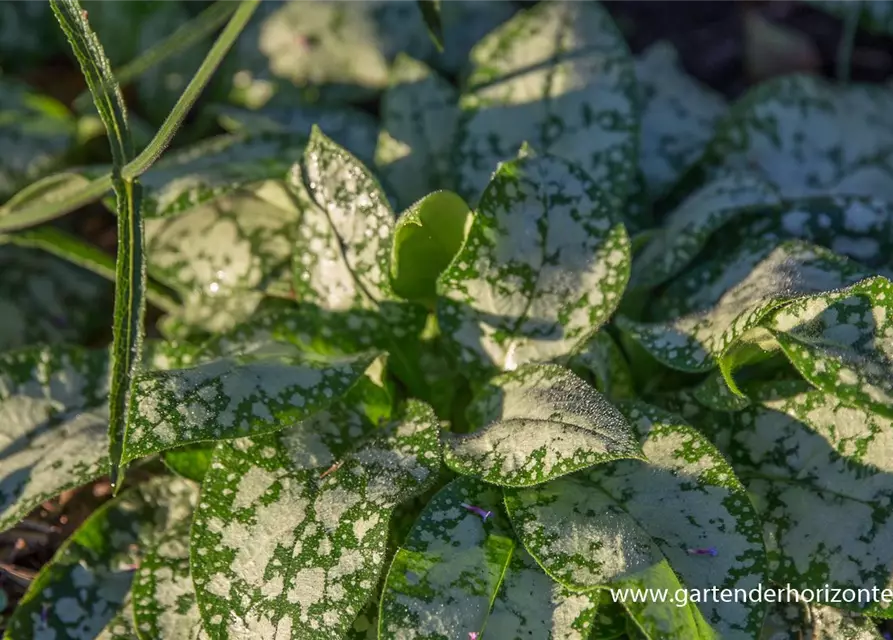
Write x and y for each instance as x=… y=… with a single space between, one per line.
x=419 y=116
x=537 y=423
x=544 y=266
x=640 y=525
x=88 y=580
x=191 y=461
x=558 y=76
x=287 y=544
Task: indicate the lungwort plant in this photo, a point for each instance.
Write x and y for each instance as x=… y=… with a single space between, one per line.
x=621 y=335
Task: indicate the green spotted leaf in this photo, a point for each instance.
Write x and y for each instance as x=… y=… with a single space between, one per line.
x=719 y=301
x=263 y=376
x=353 y=129
x=537 y=423
x=638 y=525
x=544 y=266
x=53 y=425
x=808 y=460
x=36 y=132
x=44 y=299
x=678 y=117
x=163 y=598
x=560 y=77
x=285 y=545
x=801 y=621
x=603 y=360
x=121 y=626
x=809 y=137
x=88 y=580
x=191 y=462
x=427 y=238
x=875 y=16
x=842 y=342
x=420 y=112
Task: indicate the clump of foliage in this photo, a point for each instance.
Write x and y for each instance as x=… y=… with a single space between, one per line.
x=621 y=334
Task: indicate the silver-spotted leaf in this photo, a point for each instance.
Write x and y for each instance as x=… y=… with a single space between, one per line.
x=36 y=132
x=121 y=626
x=163 y=598
x=420 y=112
x=638 y=525
x=544 y=266
x=537 y=423
x=678 y=117
x=53 y=425
x=809 y=137
x=713 y=306
x=560 y=77
x=88 y=580
x=842 y=342
x=287 y=545
x=802 y=621
x=809 y=460
x=453 y=563
x=263 y=376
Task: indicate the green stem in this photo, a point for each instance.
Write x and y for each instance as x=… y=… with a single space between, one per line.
x=847 y=40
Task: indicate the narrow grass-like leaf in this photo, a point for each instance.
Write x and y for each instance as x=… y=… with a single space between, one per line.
x=537 y=423
x=560 y=77
x=842 y=342
x=79 y=592
x=544 y=266
x=639 y=525
x=427 y=238
x=430 y=10
x=420 y=112
x=285 y=544
x=54 y=418
x=808 y=460
x=715 y=305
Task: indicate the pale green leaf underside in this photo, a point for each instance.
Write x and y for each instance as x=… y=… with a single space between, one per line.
x=263 y=376
x=718 y=302
x=810 y=137
x=537 y=423
x=88 y=580
x=801 y=621
x=808 y=460
x=842 y=342
x=53 y=424
x=678 y=117
x=544 y=265
x=419 y=116
x=560 y=77
x=633 y=523
x=285 y=547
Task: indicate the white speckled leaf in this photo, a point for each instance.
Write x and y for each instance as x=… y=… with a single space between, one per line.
x=355 y=130
x=35 y=132
x=419 y=116
x=710 y=308
x=53 y=425
x=44 y=299
x=285 y=545
x=808 y=460
x=603 y=359
x=121 y=626
x=263 y=376
x=445 y=577
x=544 y=266
x=88 y=580
x=842 y=342
x=560 y=77
x=685 y=230
x=343 y=255
x=876 y=16
x=630 y=523
x=211 y=169
x=809 y=136
x=537 y=423
x=222 y=255
x=801 y=621
x=164 y=603
x=678 y=117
